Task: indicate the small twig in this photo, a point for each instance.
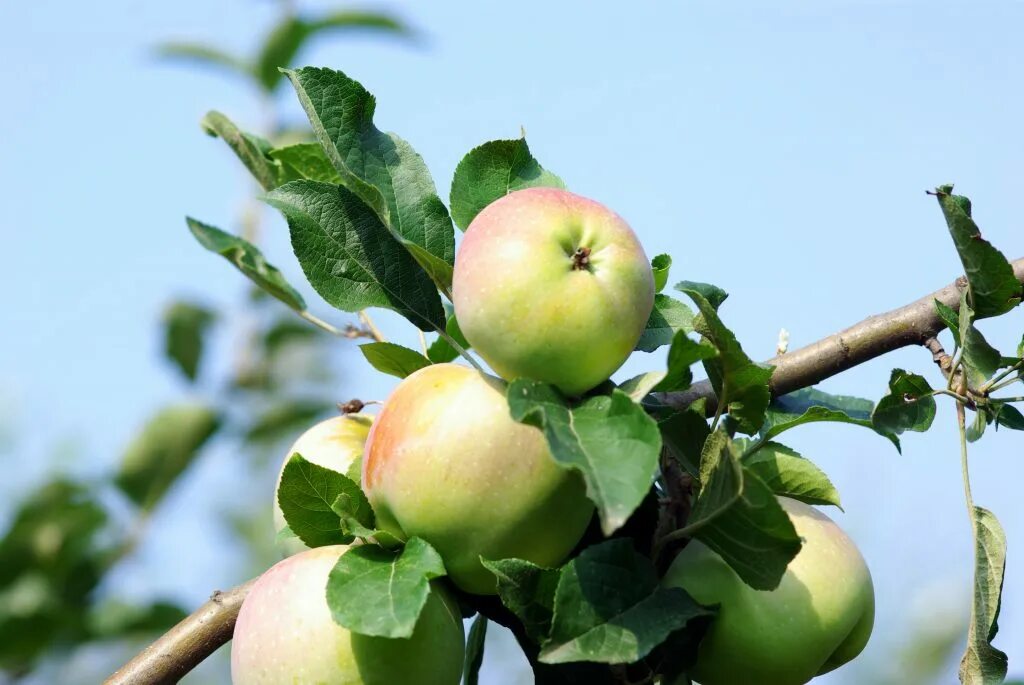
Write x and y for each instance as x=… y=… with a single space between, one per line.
x=423 y=342
x=994 y=381
x=939 y=356
x=371 y=327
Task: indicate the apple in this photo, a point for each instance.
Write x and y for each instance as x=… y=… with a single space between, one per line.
x=445 y=462
x=335 y=444
x=818 y=618
x=285 y=634
x=552 y=286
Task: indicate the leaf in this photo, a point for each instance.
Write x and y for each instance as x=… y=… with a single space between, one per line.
x=660 y=266
x=790 y=475
x=683 y=354
x=950 y=319
x=668 y=317
x=474 y=651
x=350 y=258
x=492 y=171
x=357 y=520
x=609 y=608
x=380 y=168
x=251 y=150
x=528 y=591
x=248 y=259
x=305 y=160
x=983 y=664
x=283 y=418
x=204 y=55
x=393 y=359
x=640 y=386
x=114 y=619
x=738 y=516
x=976 y=430
x=375 y=591
x=1008 y=416
x=684 y=433
x=608 y=439
x=741 y=385
x=168 y=443
x=279 y=49
x=908 y=406
x=980 y=359
x=712 y=293
x=185 y=326
x=994 y=288
x=811 y=405
x=307 y=493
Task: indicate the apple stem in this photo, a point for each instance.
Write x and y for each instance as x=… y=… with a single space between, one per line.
x=581 y=258
x=461 y=350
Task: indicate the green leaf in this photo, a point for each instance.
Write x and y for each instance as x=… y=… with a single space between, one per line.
x=980 y=359
x=203 y=55
x=185 y=326
x=380 y=168
x=983 y=664
x=528 y=591
x=251 y=150
x=393 y=359
x=608 y=439
x=492 y=171
x=787 y=473
x=811 y=405
x=976 y=430
x=115 y=619
x=660 y=266
x=357 y=519
x=307 y=494
x=712 y=293
x=283 y=418
x=950 y=319
x=248 y=259
x=683 y=354
x=305 y=161
x=166 y=446
x=908 y=406
x=640 y=386
x=684 y=433
x=994 y=288
x=350 y=258
x=474 y=651
x=668 y=317
x=593 y=623
x=739 y=517
x=375 y=591
x=440 y=351
x=362 y=21
x=1008 y=416
x=741 y=385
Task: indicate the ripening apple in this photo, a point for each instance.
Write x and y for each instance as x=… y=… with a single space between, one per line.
x=552 y=286
x=817 y=619
x=335 y=444
x=285 y=634
x=445 y=462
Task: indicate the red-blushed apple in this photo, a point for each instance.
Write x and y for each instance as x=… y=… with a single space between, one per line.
x=285 y=634
x=552 y=286
x=336 y=444
x=445 y=462
x=817 y=619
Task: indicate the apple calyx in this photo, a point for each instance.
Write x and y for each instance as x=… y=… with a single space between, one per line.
x=581 y=259
x=353 y=406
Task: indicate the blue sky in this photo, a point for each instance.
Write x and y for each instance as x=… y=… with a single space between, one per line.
x=779 y=150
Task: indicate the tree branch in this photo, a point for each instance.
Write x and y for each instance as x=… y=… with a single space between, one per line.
x=912 y=324
x=187 y=644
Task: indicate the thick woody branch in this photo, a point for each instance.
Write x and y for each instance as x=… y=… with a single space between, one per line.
x=187 y=644
x=913 y=324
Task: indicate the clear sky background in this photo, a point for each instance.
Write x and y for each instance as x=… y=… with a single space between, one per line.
x=779 y=150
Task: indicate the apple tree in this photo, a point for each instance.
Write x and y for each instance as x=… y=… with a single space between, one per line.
x=653 y=531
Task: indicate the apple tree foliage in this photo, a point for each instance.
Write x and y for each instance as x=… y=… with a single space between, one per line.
x=370 y=230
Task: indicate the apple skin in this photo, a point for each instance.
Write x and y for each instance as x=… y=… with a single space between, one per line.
x=335 y=444
x=818 y=618
x=285 y=634
x=525 y=308
x=445 y=462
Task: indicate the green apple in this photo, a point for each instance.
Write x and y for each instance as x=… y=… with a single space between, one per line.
x=552 y=286
x=445 y=462
x=818 y=618
x=335 y=444
x=285 y=634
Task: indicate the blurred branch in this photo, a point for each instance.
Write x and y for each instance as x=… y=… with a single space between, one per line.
x=187 y=644
x=913 y=324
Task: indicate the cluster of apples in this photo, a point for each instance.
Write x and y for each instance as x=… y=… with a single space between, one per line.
x=554 y=287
